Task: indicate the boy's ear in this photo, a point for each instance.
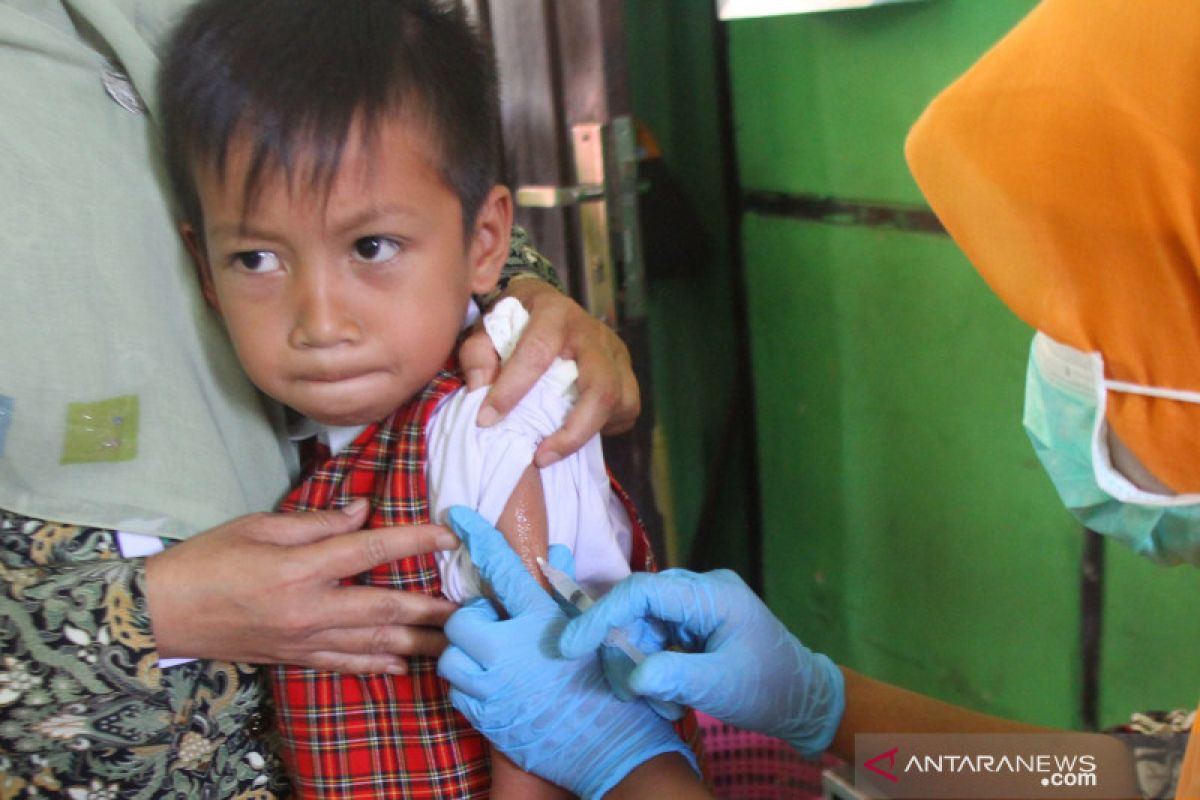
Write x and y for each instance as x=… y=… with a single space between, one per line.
x=488 y=249
x=195 y=248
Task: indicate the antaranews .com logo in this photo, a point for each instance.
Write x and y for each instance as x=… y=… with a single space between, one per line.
x=1054 y=765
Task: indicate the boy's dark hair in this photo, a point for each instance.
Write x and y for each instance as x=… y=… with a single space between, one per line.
x=292 y=76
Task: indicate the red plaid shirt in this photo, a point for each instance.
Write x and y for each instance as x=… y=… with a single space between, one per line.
x=376 y=736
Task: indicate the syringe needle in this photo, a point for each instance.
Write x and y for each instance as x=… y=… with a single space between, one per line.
x=574 y=601
x=568 y=590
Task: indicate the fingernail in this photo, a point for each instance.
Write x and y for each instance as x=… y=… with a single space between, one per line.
x=397 y=669
x=447 y=541
x=547 y=458
x=488 y=417
x=354 y=507
x=475 y=378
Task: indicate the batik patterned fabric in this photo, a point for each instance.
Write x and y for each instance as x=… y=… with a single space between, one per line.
x=85 y=710
x=1160 y=747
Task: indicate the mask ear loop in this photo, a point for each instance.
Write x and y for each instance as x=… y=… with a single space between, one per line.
x=1107 y=476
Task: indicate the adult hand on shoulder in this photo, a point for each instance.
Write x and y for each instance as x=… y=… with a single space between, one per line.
x=554 y=717
x=609 y=400
x=264 y=589
x=744 y=667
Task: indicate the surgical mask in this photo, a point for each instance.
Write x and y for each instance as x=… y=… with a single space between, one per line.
x=1066 y=394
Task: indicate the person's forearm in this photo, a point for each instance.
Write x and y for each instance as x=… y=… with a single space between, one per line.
x=876 y=707
x=665 y=777
x=32 y=599
x=265 y=589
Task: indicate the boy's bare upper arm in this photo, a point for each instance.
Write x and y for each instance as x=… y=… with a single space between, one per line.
x=524 y=523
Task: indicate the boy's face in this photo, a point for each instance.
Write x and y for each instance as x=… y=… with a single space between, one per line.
x=344 y=306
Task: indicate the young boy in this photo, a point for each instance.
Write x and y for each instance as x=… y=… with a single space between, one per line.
x=336 y=164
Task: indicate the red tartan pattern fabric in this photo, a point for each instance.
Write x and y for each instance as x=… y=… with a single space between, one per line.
x=385 y=736
x=377 y=736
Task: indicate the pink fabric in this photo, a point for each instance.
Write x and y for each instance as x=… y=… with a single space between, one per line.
x=750 y=766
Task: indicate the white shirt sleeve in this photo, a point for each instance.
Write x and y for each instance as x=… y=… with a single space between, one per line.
x=479 y=468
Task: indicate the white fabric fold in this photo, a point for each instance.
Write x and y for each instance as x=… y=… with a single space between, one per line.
x=479 y=468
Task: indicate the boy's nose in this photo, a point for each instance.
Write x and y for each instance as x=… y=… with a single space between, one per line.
x=322 y=317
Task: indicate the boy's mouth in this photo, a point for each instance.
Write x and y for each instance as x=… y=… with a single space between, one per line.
x=336 y=374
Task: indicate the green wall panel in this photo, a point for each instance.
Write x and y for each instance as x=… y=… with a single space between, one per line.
x=1151 y=650
x=910 y=531
x=823 y=101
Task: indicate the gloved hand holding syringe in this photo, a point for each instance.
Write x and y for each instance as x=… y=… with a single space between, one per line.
x=574 y=600
x=735 y=661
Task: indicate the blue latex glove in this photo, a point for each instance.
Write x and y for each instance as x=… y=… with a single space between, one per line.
x=745 y=668
x=648 y=636
x=552 y=716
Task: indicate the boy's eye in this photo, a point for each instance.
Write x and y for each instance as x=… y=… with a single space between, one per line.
x=256 y=261
x=375 y=249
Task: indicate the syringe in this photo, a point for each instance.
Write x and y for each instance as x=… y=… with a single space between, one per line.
x=575 y=601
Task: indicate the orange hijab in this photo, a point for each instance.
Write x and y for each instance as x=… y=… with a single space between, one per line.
x=1066 y=165
x=1189 y=772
